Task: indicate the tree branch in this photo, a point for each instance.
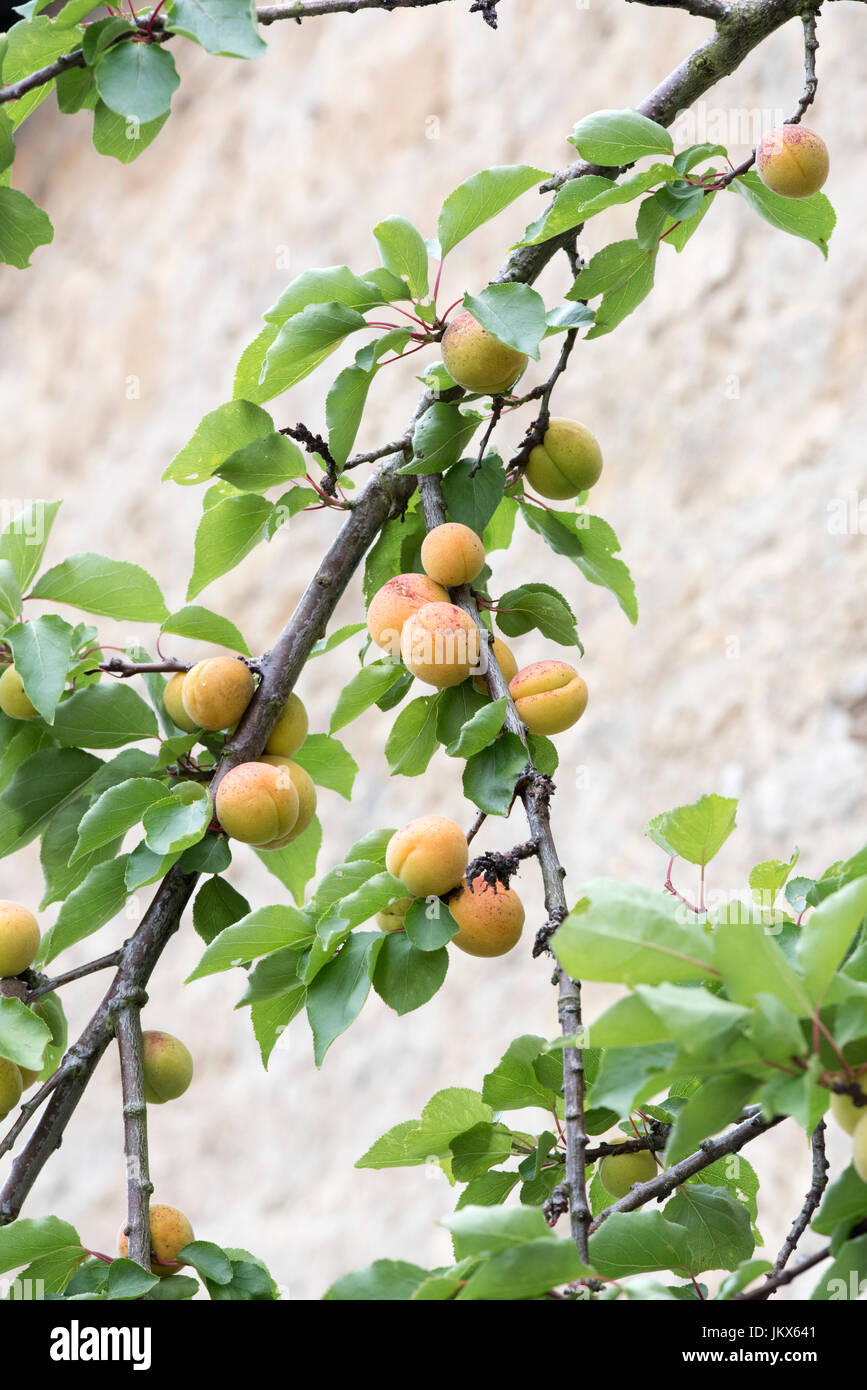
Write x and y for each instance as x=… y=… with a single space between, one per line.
x=818 y=1183
x=705 y=9
x=135 y=1133
x=46 y=986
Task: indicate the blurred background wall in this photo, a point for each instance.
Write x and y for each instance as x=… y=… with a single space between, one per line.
x=732 y=416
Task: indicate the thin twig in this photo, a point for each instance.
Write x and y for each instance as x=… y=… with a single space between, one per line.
x=536 y=431
x=397 y=446
x=119 y=667
x=135 y=1133
x=818 y=1183
x=706 y=9
x=46 y=986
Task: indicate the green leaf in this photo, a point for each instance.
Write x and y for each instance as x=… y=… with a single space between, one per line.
x=623 y=274
x=179 y=820
x=514 y=1084
x=115 y=812
x=266 y=462
x=680 y=200
x=221 y=435
x=211 y=855
x=537 y=606
x=41 y=651
x=217 y=906
x=23 y=227
x=7 y=142
x=490 y=776
x=363 y=690
x=845 y=1202
x=274 y=977
x=699 y=1021
x=104 y=716
x=406 y=977
x=101 y=34
x=482 y=197
x=23 y=1035
x=227 y=533
x=337 y=995
x=487 y=1191
x=23 y=541
x=413 y=740
x=845 y=1278
x=717 y=1225
x=137 y=79
x=335 y=284
x=271 y=1017
x=447 y=1114
x=123 y=137
x=696 y=832
x=768 y=878
x=625 y=933
x=94 y=902
x=385 y=1281
x=202 y=625
x=10 y=593
x=752 y=964
x=488 y=1230
x=30 y=45
x=58 y=843
x=582 y=198
x=208 y=1260
x=335 y=639
x=328 y=763
x=827 y=935
x=611 y=138
x=457 y=705
x=258 y=934
x=812 y=218
x=637 y=1242
x=304 y=341
x=35 y=1238
x=143 y=867
x=128 y=1280
x=513 y=313
x=111 y=588
x=718 y=1101
x=590 y=544
x=403 y=252
x=295 y=863
x=429 y=924
x=225 y=27
x=439 y=438
x=473 y=500
x=40 y=786
x=625 y=1072
x=525 y=1272
x=480 y=730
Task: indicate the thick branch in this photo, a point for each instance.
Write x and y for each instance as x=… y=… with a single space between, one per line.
x=705 y=9
x=135 y=1134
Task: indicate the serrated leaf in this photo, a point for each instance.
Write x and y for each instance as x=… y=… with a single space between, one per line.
x=696 y=832
x=304 y=341
x=363 y=690
x=480 y=730
x=137 y=79
x=111 y=588
x=94 y=902
x=227 y=533
x=812 y=218
x=23 y=541
x=490 y=776
x=480 y=198
x=123 y=137
x=439 y=438
x=629 y=934
x=403 y=252
x=612 y=138
x=40 y=786
x=219 y=436
x=413 y=741
x=447 y=1113
x=623 y=274
x=115 y=812
x=202 y=625
x=23 y=1035
x=406 y=977
x=295 y=864
x=537 y=606
x=178 y=821
x=104 y=716
x=337 y=995
x=260 y=932
x=266 y=462
x=41 y=651
x=23 y=227
x=513 y=313
x=473 y=500
x=224 y=27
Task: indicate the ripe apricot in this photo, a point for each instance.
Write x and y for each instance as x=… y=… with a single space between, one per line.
x=10 y=1086
x=505 y=660
x=392 y=918
x=395 y=602
x=452 y=554
x=549 y=696
x=304 y=786
x=13 y=700
x=440 y=644
x=170 y=1232
x=173 y=699
x=620 y=1172
x=257 y=803
x=490 y=917
x=217 y=691
x=792 y=161
x=290 y=731
x=19 y=939
x=566 y=462
x=428 y=855
x=167 y=1066
x=478 y=361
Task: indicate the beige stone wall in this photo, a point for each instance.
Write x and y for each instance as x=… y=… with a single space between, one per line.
x=730 y=415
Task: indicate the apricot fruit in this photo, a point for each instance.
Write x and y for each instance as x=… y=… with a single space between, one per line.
x=217 y=691
x=392 y=918
x=567 y=461
x=395 y=602
x=173 y=699
x=170 y=1232
x=452 y=554
x=304 y=786
x=620 y=1172
x=792 y=161
x=549 y=696
x=290 y=731
x=859 y=1149
x=505 y=660
x=440 y=644
x=478 y=361
x=13 y=700
x=19 y=939
x=11 y=1086
x=167 y=1067
x=490 y=917
x=846 y=1112
x=257 y=803
x=28 y=1077
x=428 y=855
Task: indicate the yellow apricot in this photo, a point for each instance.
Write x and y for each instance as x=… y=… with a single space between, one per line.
x=440 y=645
x=10 y=1086
x=505 y=660
x=478 y=361
x=257 y=803
x=566 y=462
x=792 y=161
x=217 y=691
x=19 y=939
x=304 y=786
x=490 y=917
x=13 y=700
x=845 y=1111
x=620 y=1172
x=452 y=554
x=170 y=1232
x=173 y=700
x=859 y=1149
x=290 y=731
x=28 y=1077
x=549 y=696
x=395 y=602
x=167 y=1067
x=392 y=917
x=428 y=855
